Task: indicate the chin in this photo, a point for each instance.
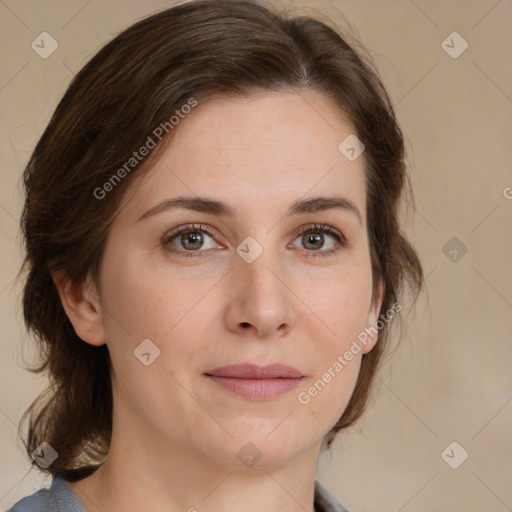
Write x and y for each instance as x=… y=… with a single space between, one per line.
x=272 y=446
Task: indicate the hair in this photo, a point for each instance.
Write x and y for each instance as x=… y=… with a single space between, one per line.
x=135 y=83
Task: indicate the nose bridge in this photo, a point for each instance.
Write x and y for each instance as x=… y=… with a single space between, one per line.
x=258 y=277
x=261 y=298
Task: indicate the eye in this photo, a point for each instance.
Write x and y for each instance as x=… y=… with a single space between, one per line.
x=313 y=239
x=191 y=238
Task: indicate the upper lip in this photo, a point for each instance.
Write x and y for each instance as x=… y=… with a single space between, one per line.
x=252 y=371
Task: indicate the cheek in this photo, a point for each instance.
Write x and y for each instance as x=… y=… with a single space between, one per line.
x=143 y=305
x=343 y=309
x=145 y=300
x=327 y=396
x=339 y=307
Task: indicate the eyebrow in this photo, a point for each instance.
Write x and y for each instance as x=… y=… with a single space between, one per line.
x=219 y=208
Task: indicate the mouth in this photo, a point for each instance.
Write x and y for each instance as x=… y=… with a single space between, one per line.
x=256 y=383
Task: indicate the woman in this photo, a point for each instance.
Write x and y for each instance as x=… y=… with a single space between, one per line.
x=214 y=261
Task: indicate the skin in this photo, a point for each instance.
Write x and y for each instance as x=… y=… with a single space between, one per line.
x=176 y=434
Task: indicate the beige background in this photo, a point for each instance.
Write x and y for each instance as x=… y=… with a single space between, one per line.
x=451 y=378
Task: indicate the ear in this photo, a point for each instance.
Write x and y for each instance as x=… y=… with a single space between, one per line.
x=373 y=315
x=81 y=306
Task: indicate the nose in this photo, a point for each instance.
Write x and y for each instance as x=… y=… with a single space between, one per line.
x=261 y=299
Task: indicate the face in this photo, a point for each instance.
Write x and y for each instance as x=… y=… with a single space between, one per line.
x=262 y=285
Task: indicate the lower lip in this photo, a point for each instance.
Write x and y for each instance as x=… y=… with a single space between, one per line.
x=257 y=389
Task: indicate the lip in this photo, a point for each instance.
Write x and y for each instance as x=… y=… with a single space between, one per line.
x=257 y=382
x=252 y=371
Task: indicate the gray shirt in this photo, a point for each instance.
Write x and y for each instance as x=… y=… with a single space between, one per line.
x=60 y=498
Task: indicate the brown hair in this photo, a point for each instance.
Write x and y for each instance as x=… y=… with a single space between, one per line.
x=135 y=83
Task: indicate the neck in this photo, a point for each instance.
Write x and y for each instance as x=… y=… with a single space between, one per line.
x=160 y=475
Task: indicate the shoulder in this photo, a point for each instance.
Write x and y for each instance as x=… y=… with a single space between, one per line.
x=57 y=498
x=325 y=501
x=38 y=502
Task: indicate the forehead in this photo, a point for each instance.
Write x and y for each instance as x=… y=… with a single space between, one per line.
x=250 y=149
x=261 y=124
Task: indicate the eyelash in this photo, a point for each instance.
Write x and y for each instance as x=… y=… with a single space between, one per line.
x=314 y=228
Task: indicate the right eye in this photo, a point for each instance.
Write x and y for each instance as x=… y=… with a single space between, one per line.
x=190 y=237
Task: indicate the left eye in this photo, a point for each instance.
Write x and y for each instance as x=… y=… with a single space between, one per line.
x=191 y=238
x=314 y=238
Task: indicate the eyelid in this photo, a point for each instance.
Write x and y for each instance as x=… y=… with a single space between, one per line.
x=192 y=228
x=321 y=228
